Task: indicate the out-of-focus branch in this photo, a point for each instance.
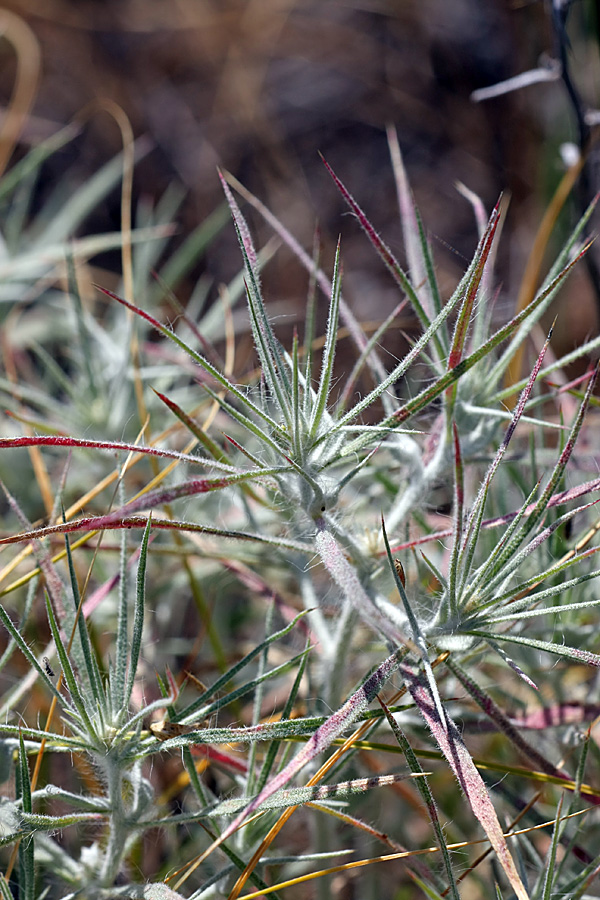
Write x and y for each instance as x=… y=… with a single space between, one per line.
x=559 y=68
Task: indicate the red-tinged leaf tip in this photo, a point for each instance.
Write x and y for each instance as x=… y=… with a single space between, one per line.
x=168 y=403
x=242 y=229
x=172 y=683
x=136 y=309
x=161 y=396
x=109 y=293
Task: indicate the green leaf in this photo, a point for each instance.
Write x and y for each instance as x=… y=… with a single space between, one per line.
x=91 y=664
x=16 y=636
x=26 y=845
x=508 y=559
x=452 y=746
x=118 y=673
x=287 y=711
x=550 y=867
x=428 y=394
x=581 y=656
x=138 y=616
x=228 y=676
x=22 y=169
x=417 y=634
x=266 y=344
x=338 y=722
x=423 y=786
x=70 y=679
x=81 y=203
x=320 y=404
x=201 y=360
x=184 y=257
x=545 y=294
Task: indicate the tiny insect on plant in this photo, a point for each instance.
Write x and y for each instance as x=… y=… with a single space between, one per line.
x=48 y=667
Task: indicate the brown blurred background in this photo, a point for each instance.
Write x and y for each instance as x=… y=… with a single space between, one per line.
x=260 y=87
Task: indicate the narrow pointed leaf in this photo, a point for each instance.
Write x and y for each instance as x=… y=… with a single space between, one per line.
x=424 y=790
x=266 y=344
x=536 y=542
x=550 y=866
x=329 y=349
x=490 y=561
x=430 y=393
x=138 y=616
x=399 y=370
x=91 y=664
x=158 y=497
x=98 y=523
x=417 y=634
x=529 y=522
x=30 y=163
x=512 y=664
x=360 y=363
x=353 y=326
x=118 y=675
x=552 y=610
x=466 y=310
x=24 y=648
x=279 y=446
x=547 y=291
x=198 y=358
x=231 y=673
x=557 y=500
x=382 y=249
x=420 y=268
x=70 y=679
x=26 y=847
x=458 y=524
x=296 y=410
x=574 y=653
x=503 y=722
x=452 y=746
x=335 y=725
x=310 y=323
x=287 y=711
x=207 y=442
x=474 y=523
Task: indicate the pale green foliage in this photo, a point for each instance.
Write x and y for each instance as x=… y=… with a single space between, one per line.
x=291 y=504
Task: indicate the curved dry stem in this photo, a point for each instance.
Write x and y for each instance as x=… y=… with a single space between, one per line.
x=27 y=51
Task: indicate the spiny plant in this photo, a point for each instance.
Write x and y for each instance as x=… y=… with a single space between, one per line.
x=319 y=503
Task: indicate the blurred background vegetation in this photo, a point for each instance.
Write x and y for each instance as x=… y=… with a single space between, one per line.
x=261 y=87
